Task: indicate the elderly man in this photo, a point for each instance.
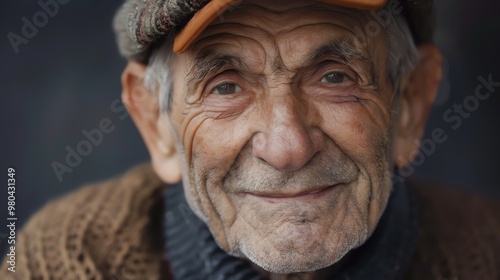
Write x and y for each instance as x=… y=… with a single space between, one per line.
x=275 y=130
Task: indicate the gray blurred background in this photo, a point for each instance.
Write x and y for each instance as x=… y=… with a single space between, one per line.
x=66 y=78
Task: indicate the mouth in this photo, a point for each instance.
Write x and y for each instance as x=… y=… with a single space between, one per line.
x=310 y=194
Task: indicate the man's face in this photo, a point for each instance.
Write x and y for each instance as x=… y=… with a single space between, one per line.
x=283 y=117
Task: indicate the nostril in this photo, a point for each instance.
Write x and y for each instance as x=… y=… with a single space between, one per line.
x=262 y=160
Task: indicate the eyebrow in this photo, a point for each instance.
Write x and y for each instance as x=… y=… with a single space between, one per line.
x=345 y=49
x=208 y=61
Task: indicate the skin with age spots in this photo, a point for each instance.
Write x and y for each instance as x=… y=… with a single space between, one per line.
x=284 y=130
x=285 y=136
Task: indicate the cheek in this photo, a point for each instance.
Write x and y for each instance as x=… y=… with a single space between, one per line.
x=212 y=152
x=215 y=146
x=359 y=128
x=362 y=130
x=215 y=132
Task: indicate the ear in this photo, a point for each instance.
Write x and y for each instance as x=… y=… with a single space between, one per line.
x=143 y=107
x=417 y=93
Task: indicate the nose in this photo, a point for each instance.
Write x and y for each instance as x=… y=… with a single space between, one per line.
x=286 y=142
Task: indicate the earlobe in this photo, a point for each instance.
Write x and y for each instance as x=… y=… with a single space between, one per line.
x=142 y=105
x=168 y=164
x=417 y=93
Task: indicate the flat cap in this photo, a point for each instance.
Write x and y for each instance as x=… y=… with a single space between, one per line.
x=141 y=24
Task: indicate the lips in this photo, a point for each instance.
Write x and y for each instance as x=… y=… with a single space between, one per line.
x=300 y=194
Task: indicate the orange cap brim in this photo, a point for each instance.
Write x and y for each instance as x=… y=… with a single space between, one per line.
x=214 y=8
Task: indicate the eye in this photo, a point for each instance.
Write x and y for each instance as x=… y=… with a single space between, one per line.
x=334 y=78
x=226 y=88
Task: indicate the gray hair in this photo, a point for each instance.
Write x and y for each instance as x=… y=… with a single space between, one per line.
x=159 y=75
x=402 y=57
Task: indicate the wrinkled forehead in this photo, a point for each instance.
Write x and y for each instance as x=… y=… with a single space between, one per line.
x=289 y=24
x=281 y=16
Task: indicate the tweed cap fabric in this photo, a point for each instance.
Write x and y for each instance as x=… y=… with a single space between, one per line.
x=141 y=24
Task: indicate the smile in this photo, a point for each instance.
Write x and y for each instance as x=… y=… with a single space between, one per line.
x=312 y=194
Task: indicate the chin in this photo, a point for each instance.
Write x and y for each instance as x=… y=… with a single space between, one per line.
x=299 y=251
x=293 y=262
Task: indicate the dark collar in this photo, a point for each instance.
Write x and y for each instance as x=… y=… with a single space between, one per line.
x=192 y=253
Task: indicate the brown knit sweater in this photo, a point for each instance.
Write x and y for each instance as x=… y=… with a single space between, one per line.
x=112 y=231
